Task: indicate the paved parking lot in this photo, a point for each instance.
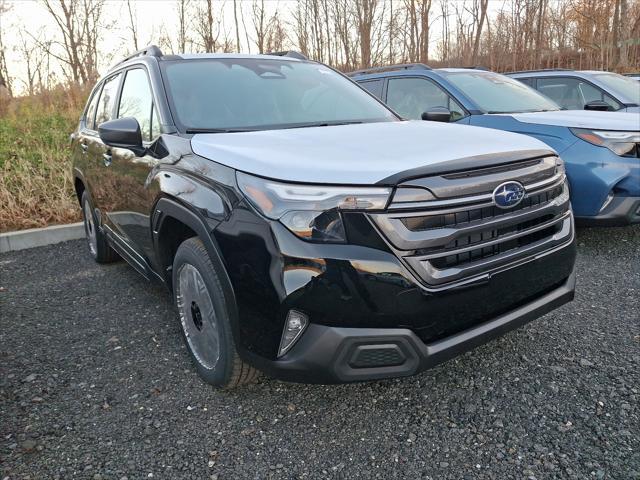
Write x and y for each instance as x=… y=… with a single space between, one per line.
x=95 y=383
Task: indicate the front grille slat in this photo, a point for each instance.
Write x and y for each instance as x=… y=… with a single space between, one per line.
x=497 y=237
x=457 y=240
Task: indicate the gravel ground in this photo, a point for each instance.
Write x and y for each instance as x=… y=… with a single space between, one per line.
x=95 y=383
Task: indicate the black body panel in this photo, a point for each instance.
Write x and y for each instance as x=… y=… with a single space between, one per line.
x=359 y=286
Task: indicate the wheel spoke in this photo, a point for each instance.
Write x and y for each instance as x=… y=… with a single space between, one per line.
x=198 y=316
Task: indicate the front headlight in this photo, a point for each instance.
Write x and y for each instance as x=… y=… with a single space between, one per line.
x=312 y=212
x=620 y=143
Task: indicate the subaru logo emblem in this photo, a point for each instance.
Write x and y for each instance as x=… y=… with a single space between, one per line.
x=508 y=194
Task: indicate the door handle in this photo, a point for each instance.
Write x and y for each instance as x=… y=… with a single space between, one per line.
x=84 y=147
x=106 y=159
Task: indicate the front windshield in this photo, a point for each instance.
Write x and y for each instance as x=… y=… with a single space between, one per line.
x=625 y=87
x=256 y=94
x=495 y=93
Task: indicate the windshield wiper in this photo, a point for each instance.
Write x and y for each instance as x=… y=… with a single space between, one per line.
x=219 y=130
x=272 y=127
x=525 y=111
x=323 y=124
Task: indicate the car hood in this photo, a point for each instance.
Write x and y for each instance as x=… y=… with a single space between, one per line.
x=359 y=154
x=583 y=119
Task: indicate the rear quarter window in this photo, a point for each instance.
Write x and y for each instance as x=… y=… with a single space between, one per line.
x=90 y=116
x=373 y=86
x=107 y=100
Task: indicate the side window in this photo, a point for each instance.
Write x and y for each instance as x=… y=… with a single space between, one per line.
x=90 y=116
x=411 y=97
x=527 y=81
x=137 y=100
x=373 y=86
x=107 y=100
x=591 y=93
x=573 y=93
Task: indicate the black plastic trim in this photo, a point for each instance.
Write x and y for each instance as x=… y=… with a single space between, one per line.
x=620 y=212
x=323 y=353
x=466 y=163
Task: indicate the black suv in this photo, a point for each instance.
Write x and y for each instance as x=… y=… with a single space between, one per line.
x=304 y=229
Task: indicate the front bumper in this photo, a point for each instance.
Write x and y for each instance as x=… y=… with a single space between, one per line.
x=594 y=174
x=326 y=354
x=620 y=211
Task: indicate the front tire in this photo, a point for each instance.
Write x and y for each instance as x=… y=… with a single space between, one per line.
x=98 y=246
x=204 y=318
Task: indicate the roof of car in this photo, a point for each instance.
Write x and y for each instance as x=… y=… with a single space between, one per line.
x=195 y=56
x=150 y=52
x=462 y=69
x=560 y=71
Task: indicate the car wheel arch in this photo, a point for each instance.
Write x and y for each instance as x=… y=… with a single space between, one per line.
x=166 y=212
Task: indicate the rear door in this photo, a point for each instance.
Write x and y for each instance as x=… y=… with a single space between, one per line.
x=98 y=153
x=83 y=137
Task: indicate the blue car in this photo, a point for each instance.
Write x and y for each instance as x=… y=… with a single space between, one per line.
x=585 y=89
x=601 y=150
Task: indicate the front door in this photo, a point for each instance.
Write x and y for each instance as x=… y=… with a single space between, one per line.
x=128 y=214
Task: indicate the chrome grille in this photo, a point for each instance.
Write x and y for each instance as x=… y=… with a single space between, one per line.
x=459 y=235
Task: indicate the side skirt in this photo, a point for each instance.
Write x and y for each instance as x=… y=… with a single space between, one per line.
x=132 y=257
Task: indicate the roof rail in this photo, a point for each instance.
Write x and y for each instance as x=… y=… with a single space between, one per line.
x=151 y=50
x=541 y=70
x=288 y=53
x=400 y=66
x=472 y=67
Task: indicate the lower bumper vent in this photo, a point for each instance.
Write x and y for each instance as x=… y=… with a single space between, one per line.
x=370 y=356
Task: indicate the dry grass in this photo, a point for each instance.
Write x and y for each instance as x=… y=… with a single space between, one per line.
x=36 y=186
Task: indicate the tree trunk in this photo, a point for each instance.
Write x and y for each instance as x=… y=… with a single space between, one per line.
x=624 y=35
x=235 y=18
x=476 y=44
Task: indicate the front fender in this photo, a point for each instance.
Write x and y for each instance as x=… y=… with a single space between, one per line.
x=172 y=208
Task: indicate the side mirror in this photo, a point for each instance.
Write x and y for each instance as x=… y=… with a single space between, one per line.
x=122 y=132
x=597 y=105
x=437 y=114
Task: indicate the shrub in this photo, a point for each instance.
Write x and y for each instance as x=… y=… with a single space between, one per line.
x=36 y=186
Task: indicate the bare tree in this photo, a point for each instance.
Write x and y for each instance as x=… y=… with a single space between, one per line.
x=445 y=45
x=624 y=34
x=79 y=23
x=206 y=26
x=182 y=8
x=365 y=14
x=235 y=19
x=31 y=61
x=343 y=32
x=300 y=25
x=416 y=29
x=133 y=27
x=276 y=34
x=5 y=79
x=476 y=43
x=260 y=23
